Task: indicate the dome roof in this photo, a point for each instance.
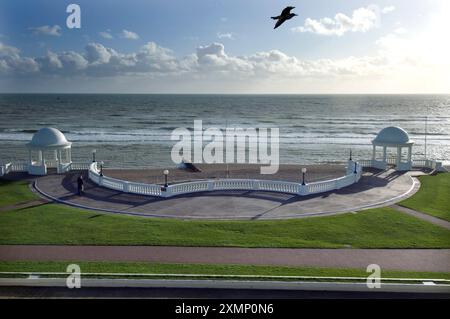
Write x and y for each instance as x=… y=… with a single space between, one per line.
x=48 y=137
x=392 y=136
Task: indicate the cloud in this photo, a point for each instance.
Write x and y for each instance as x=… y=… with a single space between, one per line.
x=362 y=20
x=98 y=54
x=12 y=62
x=209 y=61
x=129 y=35
x=388 y=9
x=106 y=35
x=47 y=30
x=227 y=35
x=96 y=61
x=210 y=66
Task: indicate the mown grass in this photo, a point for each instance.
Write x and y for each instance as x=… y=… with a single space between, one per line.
x=433 y=196
x=156 y=268
x=376 y=228
x=14 y=192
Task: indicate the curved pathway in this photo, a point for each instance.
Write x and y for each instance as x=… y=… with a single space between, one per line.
x=426 y=217
x=436 y=260
x=373 y=190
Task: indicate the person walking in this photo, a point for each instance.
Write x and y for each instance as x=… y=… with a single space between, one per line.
x=80 y=184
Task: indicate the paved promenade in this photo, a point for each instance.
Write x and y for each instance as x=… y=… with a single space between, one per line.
x=394 y=259
x=374 y=189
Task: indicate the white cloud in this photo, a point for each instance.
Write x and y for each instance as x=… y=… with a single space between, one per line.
x=50 y=63
x=227 y=35
x=362 y=20
x=208 y=61
x=106 y=35
x=98 y=54
x=129 y=35
x=397 y=59
x=73 y=61
x=388 y=9
x=47 y=30
x=11 y=62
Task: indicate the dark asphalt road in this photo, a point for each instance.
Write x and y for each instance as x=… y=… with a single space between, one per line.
x=206 y=293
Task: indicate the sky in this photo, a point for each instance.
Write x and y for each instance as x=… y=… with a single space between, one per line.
x=226 y=46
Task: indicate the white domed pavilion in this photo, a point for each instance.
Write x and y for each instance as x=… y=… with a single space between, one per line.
x=52 y=150
x=393 y=137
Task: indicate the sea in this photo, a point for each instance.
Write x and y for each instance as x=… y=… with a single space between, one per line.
x=134 y=131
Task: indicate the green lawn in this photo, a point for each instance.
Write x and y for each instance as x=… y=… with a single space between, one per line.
x=377 y=228
x=433 y=196
x=13 y=192
x=154 y=268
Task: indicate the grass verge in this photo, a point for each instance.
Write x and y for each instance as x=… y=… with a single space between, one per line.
x=433 y=196
x=64 y=225
x=14 y=192
x=156 y=268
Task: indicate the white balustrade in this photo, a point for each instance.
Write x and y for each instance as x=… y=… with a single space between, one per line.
x=51 y=163
x=79 y=166
x=391 y=161
x=365 y=163
x=224 y=184
x=425 y=163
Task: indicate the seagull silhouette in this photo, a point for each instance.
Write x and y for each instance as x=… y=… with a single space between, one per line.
x=285 y=15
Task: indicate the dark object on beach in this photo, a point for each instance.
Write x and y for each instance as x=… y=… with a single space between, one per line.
x=188 y=166
x=285 y=15
x=80 y=185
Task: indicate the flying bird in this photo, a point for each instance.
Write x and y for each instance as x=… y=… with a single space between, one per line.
x=285 y=15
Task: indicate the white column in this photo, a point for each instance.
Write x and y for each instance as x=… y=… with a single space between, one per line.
x=399 y=155
x=374 y=150
x=69 y=154
x=40 y=157
x=384 y=154
x=30 y=159
x=410 y=154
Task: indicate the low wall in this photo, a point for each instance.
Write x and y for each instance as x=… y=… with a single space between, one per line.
x=354 y=172
x=24 y=167
x=430 y=164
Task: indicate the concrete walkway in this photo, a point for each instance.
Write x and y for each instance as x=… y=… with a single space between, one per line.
x=437 y=260
x=375 y=189
x=426 y=217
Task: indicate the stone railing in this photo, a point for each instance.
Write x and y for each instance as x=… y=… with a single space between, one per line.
x=425 y=163
x=25 y=167
x=13 y=167
x=51 y=163
x=354 y=172
x=431 y=164
x=79 y=166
